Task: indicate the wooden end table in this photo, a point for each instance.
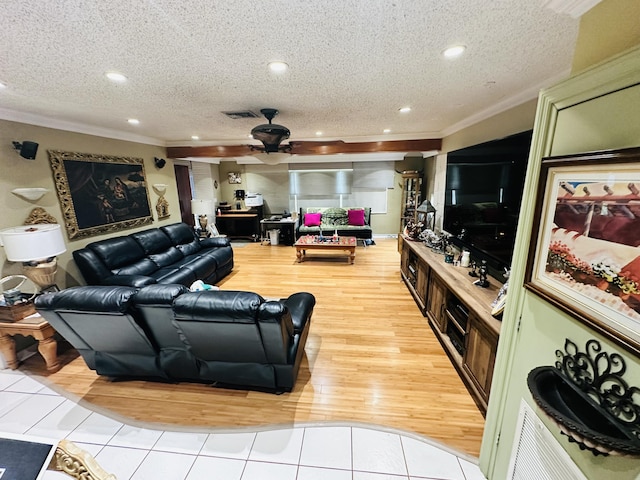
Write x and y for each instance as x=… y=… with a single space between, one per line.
x=33 y=326
x=309 y=242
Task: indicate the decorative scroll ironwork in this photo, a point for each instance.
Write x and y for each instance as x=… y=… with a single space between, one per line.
x=585 y=395
x=599 y=375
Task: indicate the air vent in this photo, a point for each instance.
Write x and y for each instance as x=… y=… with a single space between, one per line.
x=241 y=114
x=537 y=454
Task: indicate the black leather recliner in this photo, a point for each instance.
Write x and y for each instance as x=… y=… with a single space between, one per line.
x=171 y=254
x=230 y=338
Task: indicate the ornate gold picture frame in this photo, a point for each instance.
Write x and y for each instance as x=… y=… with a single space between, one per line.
x=100 y=193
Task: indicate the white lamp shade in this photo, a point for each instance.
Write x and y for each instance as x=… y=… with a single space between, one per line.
x=32 y=242
x=201 y=207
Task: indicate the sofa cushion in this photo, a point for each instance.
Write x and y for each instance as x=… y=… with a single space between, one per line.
x=203 y=266
x=168 y=257
x=171 y=274
x=117 y=252
x=152 y=241
x=312 y=219
x=141 y=267
x=189 y=248
x=179 y=233
x=356 y=217
x=334 y=216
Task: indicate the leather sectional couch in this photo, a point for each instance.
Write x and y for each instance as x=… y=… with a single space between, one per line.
x=166 y=332
x=171 y=254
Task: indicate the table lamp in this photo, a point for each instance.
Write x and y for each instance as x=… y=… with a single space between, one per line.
x=36 y=246
x=202 y=208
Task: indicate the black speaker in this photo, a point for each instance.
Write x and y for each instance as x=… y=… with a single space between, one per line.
x=27 y=149
x=160 y=162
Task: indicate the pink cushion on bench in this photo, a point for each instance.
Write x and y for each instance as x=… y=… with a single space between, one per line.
x=356 y=217
x=312 y=219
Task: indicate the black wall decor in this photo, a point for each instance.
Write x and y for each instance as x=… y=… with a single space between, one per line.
x=26 y=149
x=586 y=396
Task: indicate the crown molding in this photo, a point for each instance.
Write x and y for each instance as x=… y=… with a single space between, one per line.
x=573 y=8
x=506 y=104
x=42 y=121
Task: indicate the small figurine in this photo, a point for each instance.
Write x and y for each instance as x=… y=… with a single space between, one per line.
x=482 y=281
x=473 y=272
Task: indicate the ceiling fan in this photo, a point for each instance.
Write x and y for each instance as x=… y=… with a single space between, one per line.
x=272 y=135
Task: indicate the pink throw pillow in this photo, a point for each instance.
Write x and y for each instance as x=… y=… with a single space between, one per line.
x=312 y=219
x=356 y=217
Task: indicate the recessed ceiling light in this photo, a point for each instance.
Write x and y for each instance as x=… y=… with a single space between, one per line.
x=134 y=121
x=386 y=130
x=318 y=133
x=278 y=67
x=454 y=51
x=195 y=137
x=405 y=110
x=2 y=85
x=116 y=77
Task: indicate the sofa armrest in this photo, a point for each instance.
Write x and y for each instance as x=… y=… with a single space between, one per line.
x=300 y=306
x=276 y=329
x=158 y=293
x=215 y=242
x=92 y=268
x=88 y=299
x=137 y=281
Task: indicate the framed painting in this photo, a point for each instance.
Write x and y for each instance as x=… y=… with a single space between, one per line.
x=234 y=177
x=100 y=193
x=584 y=255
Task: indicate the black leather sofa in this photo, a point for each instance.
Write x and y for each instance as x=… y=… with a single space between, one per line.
x=171 y=254
x=166 y=332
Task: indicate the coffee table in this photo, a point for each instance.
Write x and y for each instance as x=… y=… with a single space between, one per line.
x=333 y=245
x=34 y=326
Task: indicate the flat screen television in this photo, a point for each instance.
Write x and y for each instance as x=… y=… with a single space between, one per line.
x=482 y=198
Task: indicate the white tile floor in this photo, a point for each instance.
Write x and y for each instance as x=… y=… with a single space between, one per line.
x=311 y=452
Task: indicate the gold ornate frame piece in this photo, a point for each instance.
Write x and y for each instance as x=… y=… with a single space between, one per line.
x=100 y=193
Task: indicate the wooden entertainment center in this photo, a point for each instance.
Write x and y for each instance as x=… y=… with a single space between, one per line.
x=458 y=311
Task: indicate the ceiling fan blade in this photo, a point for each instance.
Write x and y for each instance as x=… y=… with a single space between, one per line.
x=333 y=147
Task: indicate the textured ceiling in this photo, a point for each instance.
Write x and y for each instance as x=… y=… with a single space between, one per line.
x=353 y=63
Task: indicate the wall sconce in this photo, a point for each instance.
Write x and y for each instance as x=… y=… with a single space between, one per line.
x=160 y=162
x=26 y=149
x=33 y=194
x=160 y=188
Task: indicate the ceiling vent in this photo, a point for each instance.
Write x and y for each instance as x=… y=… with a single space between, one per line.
x=241 y=114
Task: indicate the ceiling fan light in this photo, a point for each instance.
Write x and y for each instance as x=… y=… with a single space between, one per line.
x=272 y=158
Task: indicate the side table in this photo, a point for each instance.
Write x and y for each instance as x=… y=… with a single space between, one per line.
x=33 y=326
x=287 y=227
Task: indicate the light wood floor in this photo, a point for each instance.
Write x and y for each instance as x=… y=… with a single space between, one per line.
x=370 y=357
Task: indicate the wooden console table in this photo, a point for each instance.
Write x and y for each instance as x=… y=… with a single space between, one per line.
x=33 y=326
x=458 y=311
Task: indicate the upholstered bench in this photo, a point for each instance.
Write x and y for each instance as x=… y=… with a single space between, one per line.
x=349 y=222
